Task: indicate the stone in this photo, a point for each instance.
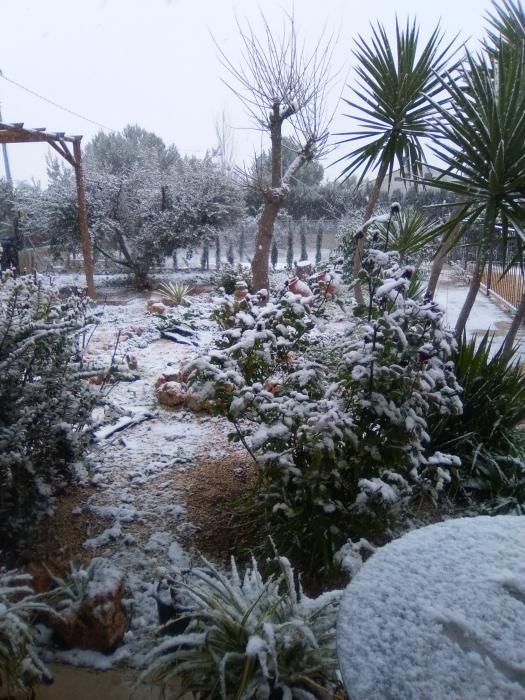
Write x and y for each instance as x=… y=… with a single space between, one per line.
x=170 y=394
x=166 y=377
x=132 y=361
x=156 y=307
x=97 y=622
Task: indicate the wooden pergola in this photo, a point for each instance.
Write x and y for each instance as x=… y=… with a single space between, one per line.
x=69 y=148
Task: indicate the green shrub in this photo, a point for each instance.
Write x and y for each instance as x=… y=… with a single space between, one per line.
x=20 y=667
x=487 y=435
x=44 y=406
x=338 y=427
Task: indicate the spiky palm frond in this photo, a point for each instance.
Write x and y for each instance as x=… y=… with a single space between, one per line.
x=249 y=638
x=408 y=233
x=393 y=114
x=506 y=24
x=486 y=435
x=482 y=132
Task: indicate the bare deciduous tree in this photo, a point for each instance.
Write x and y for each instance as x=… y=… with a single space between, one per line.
x=281 y=83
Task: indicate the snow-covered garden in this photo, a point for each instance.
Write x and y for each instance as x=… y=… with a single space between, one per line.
x=194 y=466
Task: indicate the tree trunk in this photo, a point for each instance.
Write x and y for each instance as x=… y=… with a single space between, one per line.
x=437 y=267
x=510 y=338
x=358 y=255
x=263 y=242
x=441 y=255
x=469 y=301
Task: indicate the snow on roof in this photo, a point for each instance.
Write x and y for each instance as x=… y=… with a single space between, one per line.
x=438 y=615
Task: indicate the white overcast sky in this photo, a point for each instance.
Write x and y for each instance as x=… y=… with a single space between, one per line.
x=153 y=62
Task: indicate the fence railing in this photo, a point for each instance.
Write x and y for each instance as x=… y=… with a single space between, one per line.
x=509 y=287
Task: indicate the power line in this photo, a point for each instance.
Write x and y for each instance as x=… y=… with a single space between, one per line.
x=55 y=104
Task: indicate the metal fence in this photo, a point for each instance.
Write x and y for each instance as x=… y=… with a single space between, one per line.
x=506 y=283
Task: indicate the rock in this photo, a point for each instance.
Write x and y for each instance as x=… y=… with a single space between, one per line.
x=165 y=377
x=156 y=307
x=198 y=402
x=99 y=378
x=274 y=386
x=98 y=621
x=170 y=394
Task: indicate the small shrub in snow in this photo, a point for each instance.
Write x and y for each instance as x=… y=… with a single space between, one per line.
x=175 y=293
x=250 y=638
x=44 y=406
x=20 y=667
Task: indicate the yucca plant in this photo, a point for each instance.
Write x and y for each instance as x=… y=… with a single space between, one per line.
x=71 y=589
x=175 y=293
x=506 y=24
x=407 y=233
x=20 y=667
x=486 y=436
x=482 y=132
x=393 y=114
x=249 y=638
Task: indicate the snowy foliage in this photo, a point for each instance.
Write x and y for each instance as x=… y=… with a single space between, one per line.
x=143 y=201
x=20 y=667
x=249 y=637
x=338 y=427
x=44 y=407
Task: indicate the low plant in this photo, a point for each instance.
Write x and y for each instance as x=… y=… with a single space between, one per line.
x=175 y=293
x=488 y=436
x=230 y=275
x=71 y=589
x=20 y=667
x=249 y=638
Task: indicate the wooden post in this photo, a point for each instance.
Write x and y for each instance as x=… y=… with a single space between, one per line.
x=82 y=219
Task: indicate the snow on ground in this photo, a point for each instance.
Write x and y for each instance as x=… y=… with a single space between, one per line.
x=138 y=507
x=438 y=615
x=486 y=313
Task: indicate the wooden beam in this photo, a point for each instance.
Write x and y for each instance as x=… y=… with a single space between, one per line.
x=82 y=220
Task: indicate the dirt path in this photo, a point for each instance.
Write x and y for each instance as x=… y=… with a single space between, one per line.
x=154 y=491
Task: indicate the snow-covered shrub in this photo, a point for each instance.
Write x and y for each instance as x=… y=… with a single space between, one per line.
x=338 y=427
x=44 y=406
x=487 y=435
x=250 y=638
x=231 y=274
x=20 y=667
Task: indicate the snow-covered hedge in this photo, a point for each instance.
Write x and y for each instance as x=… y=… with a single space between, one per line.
x=338 y=427
x=44 y=407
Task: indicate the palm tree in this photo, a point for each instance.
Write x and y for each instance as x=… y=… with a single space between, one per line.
x=393 y=112
x=508 y=23
x=482 y=133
